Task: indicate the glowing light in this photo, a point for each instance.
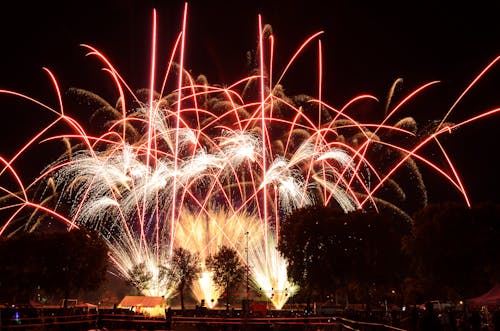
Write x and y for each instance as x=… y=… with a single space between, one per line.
x=203 y=165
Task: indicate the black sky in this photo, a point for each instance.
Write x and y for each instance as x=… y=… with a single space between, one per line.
x=367 y=45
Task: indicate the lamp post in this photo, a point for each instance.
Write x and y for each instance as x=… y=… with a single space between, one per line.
x=248 y=267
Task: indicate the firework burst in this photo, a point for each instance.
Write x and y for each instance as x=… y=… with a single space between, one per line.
x=204 y=166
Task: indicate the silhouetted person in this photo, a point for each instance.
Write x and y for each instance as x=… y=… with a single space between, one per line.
x=475 y=321
x=496 y=320
x=413 y=319
x=168 y=319
x=429 y=321
x=452 y=317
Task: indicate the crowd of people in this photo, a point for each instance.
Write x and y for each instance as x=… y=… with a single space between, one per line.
x=428 y=319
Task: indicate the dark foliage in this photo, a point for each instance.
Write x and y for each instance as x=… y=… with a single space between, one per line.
x=184 y=268
x=228 y=271
x=328 y=250
x=454 y=249
x=57 y=264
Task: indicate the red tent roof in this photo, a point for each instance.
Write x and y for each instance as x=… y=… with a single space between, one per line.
x=490 y=298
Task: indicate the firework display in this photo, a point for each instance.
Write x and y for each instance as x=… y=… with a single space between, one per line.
x=201 y=166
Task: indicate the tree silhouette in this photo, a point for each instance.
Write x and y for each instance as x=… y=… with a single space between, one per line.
x=140 y=277
x=455 y=248
x=183 y=269
x=328 y=250
x=228 y=271
x=55 y=263
x=80 y=265
x=20 y=258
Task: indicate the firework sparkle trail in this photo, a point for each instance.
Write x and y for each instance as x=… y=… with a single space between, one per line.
x=202 y=165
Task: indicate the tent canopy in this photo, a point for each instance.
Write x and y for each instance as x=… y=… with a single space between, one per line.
x=490 y=298
x=149 y=306
x=141 y=301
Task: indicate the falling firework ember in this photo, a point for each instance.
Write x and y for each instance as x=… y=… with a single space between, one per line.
x=203 y=166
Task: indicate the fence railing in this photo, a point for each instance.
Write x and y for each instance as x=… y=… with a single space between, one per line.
x=129 y=321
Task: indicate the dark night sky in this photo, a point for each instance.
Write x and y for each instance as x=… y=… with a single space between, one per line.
x=367 y=45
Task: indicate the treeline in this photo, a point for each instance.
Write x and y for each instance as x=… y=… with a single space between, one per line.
x=41 y=266
x=447 y=251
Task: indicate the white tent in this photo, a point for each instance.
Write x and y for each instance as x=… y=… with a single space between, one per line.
x=147 y=305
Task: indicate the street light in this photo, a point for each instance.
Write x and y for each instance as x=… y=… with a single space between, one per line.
x=248 y=267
